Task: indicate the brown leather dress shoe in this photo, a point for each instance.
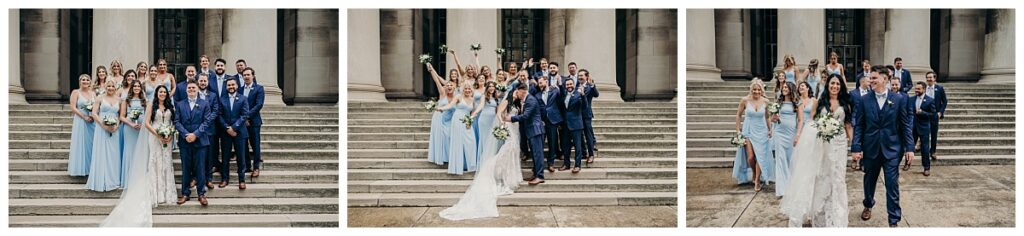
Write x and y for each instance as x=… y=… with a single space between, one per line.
x=182 y=200
x=536 y=181
x=202 y=201
x=564 y=168
x=551 y=169
x=866 y=214
x=241 y=185
x=222 y=184
x=576 y=170
x=590 y=159
x=209 y=185
x=256 y=173
x=927 y=173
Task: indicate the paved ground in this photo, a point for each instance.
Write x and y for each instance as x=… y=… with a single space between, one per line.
x=953 y=196
x=583 y=216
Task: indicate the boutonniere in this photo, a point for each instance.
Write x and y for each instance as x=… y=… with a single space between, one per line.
x=889 y=101
x=195 y=105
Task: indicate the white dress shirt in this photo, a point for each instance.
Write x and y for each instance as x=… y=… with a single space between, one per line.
x=881 y=97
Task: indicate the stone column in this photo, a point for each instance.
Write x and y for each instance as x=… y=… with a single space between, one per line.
x=656 y=60
x=396 y=44
x=731 y=43
x=875 y=47
x=364 y=84
x=907 y=37
x=251 y=34
x=801 y=34
x=121 y=34
x=700 y=46
x=40 y=48
x=555 y=38
x=962 y=47
x=999 y=63
x=469 y=26
x=213 y=34
x=16 y=94
x=316 y=55
x=590 y=42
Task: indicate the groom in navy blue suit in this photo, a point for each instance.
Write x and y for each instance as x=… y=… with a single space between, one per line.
x=192 y=119
x=924 y=110
x=882 y=137
x=574 y=104
x=234 y=112
x=529 y=117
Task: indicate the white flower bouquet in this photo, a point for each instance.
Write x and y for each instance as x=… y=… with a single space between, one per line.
x=468 y=120
x=424 y=59
x=500 y=51
x=500 y=132
x=737 y=140
x=475 y=47
x=828 y=127
x=501 y=88
x=430 y=105
x=443 y=48
x=109 y=120
x=134 y=114
x=773 y=108
x=166 y=130
x=88 y=106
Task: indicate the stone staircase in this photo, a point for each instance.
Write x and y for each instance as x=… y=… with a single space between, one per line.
x=297 y=188
x=978 y=127
x=636 y=164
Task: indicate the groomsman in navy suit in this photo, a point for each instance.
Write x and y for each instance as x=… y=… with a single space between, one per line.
x=530 y=117
x=211 y=98
x=239 y=67
x=234 y=111
x=204 y=65
x=882 y=136
x=254 y=95
x=924 y=110
x=574 y=103
x=863 y=89
x=192 y=119
x=589 y=93
x=218 y=81
x=540 y=71
x=939 y=94
x=190 y=74
x=905 y=82
x=552 y=116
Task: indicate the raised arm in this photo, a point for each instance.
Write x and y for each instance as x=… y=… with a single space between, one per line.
x=437 y=79
x=458 y=64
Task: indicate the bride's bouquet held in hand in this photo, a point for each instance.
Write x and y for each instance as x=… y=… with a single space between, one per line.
x=828 y=126
x=500 y=132
x=165 y=131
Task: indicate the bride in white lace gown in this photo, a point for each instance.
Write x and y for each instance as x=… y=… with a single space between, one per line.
x=499 y=175
x=135 y=208
x=817 y=189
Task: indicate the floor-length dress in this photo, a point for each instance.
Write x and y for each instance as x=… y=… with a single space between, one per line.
x=440 y=133
x=498 y=175
x=160 y=163
x=462 y=149
x=476 y=127
x=129 y=137
x=817 y=188
x=105 y=169
x=755 y=129
x=488 y=143
x=80 y=153
x=782 y=146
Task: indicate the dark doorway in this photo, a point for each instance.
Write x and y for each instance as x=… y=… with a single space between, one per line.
x=434 y=35
x=764 y=42
x=177 y=38
x=844 y=35
x=523 y=34
x=79 y=47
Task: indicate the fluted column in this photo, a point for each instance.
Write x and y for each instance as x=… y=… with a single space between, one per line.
x=121 y=34
x=364 y=84
x=801 y=34
x=41 y=54
x=251 y=34
x=16 y=94
x=999 y=63
x=732 y=43
x=590 y=42
x=396 y=40
x=700 y=46
x=907 y=37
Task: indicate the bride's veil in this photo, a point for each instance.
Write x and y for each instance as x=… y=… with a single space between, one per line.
x=806 y=163
x=135 y=208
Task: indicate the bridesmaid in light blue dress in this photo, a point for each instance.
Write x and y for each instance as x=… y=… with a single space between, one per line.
x=462 y=149
x=812 y=77
x=479 y=85
x=440 y=121
x=150 y=83
x=782 y=137
x=806 y=101
x=105 y=169
x=82 y=127
x=130 y=126
x=485 y=111
x=753 y=157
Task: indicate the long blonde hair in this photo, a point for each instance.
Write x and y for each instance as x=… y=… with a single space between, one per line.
x=755 y=82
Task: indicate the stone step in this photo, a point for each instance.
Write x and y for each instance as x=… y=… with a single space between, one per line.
x=276 y=165
x=266 y=108
x=36 y=114
x=518 y=199
x=264 y=145
x=718 y=152
x=23 y=207
x=950 y=111
x=731 y=124
x=61 y=177
x=603 y=121
x=266 y=154
x=651 y=162
x=426 y=128
x=744 y=88
x=427 y=115
x=600 y=137
x=849 y=84
x=266 y=136
x=951 y=100
x=188 y=220
x=441 y=174
x=612 y=144
x=420 y=104
x=554 y=185
x=743 y=92
x=944 y=160
x=596 y=109
x=75 y=191
x=944 y=141
x=947 y=118
x=943 y=133
x=66 y=119
x=66 y=127
x=735 y=104
x=422 y=153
